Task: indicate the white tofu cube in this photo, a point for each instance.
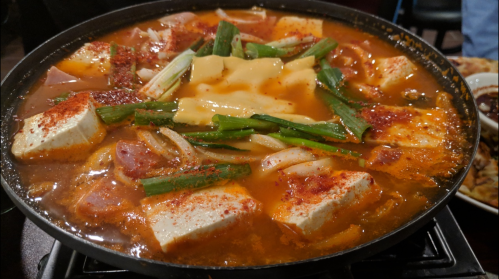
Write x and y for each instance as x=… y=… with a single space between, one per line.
x=307 y=210
x=92 y=59
x=65 y=132
x=180 y=216
x=292 y=25
x=394 y=70
x=406 y=126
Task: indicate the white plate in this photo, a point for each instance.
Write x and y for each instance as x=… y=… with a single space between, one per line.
x=477 y=203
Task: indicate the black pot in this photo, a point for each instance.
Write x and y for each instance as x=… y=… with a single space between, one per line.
x=29 y=70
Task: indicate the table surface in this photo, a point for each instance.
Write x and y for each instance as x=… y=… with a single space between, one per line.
x=23 y=244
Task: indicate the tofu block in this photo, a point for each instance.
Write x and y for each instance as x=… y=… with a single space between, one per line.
x=306 y=210
x=66 y=132
x=180 y=216
x=92 y=59
x=394 y=70
x=291 y=25
x=406 y=126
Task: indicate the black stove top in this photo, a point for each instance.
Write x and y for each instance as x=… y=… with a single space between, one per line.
x=437 y=250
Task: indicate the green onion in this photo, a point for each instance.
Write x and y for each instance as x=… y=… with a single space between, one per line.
x=225 y=33
x=324 y=64
x=331 y=130
x=122 y=71
x=197 y=177
x=197 y=44
x=357 y=125
x=167 y=77
x=217 y=135
x=227 y=123
x=214 y=145
x=170 y=91
x=154 y=118
x=237 y=47
x=362 y=162
x=288 y=132
x=206 y=49
x=118 y=113
x=63 y=97
x=331 y=78
x=313 y=144
x=321 y=48
x=254 y=51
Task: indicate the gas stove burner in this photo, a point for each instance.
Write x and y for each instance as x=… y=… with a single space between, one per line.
x=437 y=250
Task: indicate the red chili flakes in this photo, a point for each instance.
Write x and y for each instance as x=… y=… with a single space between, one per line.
x=63 y=111
x=116 y=97
x=382 y=118
x=122 y=63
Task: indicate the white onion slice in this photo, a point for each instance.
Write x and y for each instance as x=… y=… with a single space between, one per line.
x=153 y=35
x=318 y=167
x=157 y=145
x=229 y=158
x=222 y=14
x=146 y=74
x=188 y=152
x=291 y=41
x=250 y=38
x=268 y=141
x=177 y=19
x=285 y=158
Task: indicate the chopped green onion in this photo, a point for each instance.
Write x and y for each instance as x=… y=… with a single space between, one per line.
x=288 y=132
x=357 y=125
x=254 y=51
x=170 y=91
x=225 y=33
x=217 y=135
x=118 y=113
x=122 y=71
x=227 y=123
x=214 y=145
x=237 y=47
x=313 y=144
x=197 y=44
x=362 y=162
x=167 y=77
x=321 y=48
x=63 y=97
x=206 y=49
x=154 y=118
x=197 y=177
x=332 y=130
x=291 y=41
x=324 y=64
x=331 y=78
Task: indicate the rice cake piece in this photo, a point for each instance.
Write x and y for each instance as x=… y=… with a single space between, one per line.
x=405 y=126
x=306 y=210
x=394 y=70
x=181 y=216
x=65 y=132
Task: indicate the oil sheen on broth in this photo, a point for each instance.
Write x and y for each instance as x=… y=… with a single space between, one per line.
x=299 y=201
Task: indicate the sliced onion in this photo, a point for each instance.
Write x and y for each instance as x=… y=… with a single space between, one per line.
x=285 y=158
x=267 y=141
x=229 y=158
x=250 y=38
x=222 y=14
x=177 y=19
x=318 y=167
x=121 y=177
x=146 y=74
x=188 y=152
x=157 y=145
x=291 y=41
x=153 y=35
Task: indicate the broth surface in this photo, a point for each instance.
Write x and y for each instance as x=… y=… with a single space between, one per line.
x=259 y=240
